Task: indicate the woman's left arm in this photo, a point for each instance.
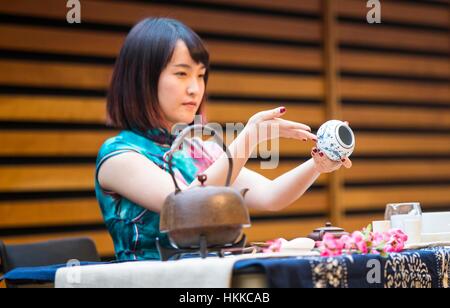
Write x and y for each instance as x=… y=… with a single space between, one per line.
x=274 y=195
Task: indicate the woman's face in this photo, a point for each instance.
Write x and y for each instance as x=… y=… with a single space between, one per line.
x=181 y=87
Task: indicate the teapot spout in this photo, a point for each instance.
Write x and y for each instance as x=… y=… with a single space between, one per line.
x=244 y=192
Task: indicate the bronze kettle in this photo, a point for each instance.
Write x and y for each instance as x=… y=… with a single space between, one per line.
x=204 y=216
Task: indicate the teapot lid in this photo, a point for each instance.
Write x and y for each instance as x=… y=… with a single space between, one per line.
x=329 y=229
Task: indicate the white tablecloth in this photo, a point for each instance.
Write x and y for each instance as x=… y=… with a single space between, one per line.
x=212 y=272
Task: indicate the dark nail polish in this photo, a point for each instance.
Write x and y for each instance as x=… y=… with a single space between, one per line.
x=315 y=150
x=321 y=154
x=282 y=109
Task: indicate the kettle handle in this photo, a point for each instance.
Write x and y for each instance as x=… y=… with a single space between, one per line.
x=178 y=141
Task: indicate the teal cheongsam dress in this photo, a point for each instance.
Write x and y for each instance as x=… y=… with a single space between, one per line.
x=133 y=228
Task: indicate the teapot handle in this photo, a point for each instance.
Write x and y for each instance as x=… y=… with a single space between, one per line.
x=178 y=141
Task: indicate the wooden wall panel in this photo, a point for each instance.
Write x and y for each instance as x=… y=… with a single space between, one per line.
x=92 y=110
x=288 y=229
x=394 y=91
x=46 y=177
x=305 y=6
x=126 y=13
x=397 y=11
x=52 y=109
x=39 y=74
x=50 y=213
x=61 y=41
x=393 y=38
x=395 y=84
x=398 y=64
x=79 y=142
x=32 y=178
x=376 y=198
x=102 y=239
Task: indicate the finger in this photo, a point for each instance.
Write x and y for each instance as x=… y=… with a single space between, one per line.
x=293 y=125
x=326 y=166
x=301 y=134
x=328 y=162
x=331 y=165
x=346 y=122
x=316 y=159
x=270 y=114
x=321 y=158
x=347 y=162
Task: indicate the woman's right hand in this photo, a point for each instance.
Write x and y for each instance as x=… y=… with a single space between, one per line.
x=268 y=125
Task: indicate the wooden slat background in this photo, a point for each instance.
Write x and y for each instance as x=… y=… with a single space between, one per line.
x=393 y=87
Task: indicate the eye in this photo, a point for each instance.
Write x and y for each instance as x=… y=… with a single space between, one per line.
x=201 y=76
x=180 y=74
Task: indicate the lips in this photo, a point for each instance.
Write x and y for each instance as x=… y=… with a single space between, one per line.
x=190 y=104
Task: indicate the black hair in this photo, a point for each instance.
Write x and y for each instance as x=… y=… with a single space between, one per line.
x=132 y=100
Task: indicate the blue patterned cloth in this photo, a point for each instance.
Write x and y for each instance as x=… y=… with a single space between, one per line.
x=38 y=273
x=426 y=268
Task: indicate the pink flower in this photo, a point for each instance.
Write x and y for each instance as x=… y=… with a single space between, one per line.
x=375 y=252
x=380 y=239
x=362 y=247
x=349 y=243
x=397 y=241
x=357 y=236
x=274 y=245
x=360 y=241
x=363 y=242
x=332 y=243
x=397 y=233
x=331 y=246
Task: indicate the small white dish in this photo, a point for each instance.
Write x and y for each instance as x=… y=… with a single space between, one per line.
x=298 y=245
x=435 y=237
x=427 y=245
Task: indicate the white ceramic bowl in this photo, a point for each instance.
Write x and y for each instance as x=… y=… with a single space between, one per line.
x=336 y=139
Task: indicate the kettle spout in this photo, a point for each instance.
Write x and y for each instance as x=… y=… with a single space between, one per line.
x=244 y=191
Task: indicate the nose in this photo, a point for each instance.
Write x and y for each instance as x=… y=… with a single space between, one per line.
x=193 y=87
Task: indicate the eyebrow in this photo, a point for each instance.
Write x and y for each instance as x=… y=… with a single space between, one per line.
x=187 y=66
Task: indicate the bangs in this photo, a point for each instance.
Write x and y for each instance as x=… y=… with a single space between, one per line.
x=194 y=44
x=197 y=50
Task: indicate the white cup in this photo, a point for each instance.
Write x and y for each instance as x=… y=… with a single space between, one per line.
x=413 y=228
x=381 y=226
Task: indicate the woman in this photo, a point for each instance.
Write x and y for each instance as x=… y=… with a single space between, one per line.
x=159 y=80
